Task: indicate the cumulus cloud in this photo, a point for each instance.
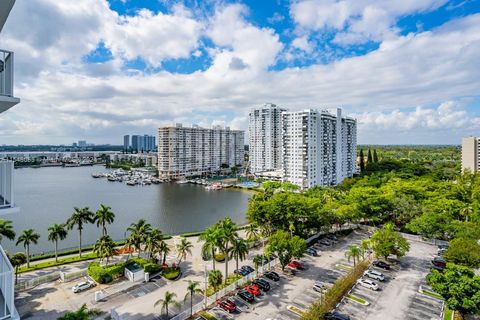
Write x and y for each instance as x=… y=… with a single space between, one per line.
x=64 y=98
x=357 y=20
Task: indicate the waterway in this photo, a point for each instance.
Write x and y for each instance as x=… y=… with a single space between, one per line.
x=48 y=195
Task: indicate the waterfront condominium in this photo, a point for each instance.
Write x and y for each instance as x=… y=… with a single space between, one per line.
x=265 y=138
x=471 y=154
x=126 y=143
x=145 y=143
x=319 y=148
x=195 y=151
x=7 y=204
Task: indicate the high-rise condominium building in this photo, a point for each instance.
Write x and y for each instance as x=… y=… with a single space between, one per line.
x=195 y=151
x=126 y=142
x=265 y=138
x=145 y=143
x=471 y=154
x=319 y=148
x=7 y=203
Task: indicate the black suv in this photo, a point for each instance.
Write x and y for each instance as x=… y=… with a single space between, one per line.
x=272 y=275
x=264 y=285
x=335 y=316
x=245 y=295
x=248 y=269
x=381 y=264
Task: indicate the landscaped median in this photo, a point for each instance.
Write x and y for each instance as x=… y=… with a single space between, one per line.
x=106 y=274
x=335 y=294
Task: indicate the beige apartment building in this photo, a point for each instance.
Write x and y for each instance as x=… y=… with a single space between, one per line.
x=471 y=154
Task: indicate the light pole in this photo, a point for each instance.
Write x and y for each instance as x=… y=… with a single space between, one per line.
x=205 y=282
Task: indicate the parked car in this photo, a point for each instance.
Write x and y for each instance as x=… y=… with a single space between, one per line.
x=325 y=242
x=332 y=237
x=368 y=284
x=439 y=262
x=335 y=316
x=312 y=252
x=443 y=246
x=226 y=305
x=263 y=284
x=296 y=265
x=319 y=286
x=246 y=296
x=272 y=275
x=241 y=272
x=247 y=269
x=200 y=318
x=84 y=285
x=254 y=289
x=373 y=274
x=441 y=251
x=381 y=265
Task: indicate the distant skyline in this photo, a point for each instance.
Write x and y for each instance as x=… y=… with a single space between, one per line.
x=96 y=70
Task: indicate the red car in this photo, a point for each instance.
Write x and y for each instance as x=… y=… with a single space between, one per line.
x=295 y=265
x=254 y=289
x=226 y=305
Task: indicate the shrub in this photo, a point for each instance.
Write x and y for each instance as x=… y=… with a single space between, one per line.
x=106 y=274
x=219 y=257
x=171 y=273
x=335 y=293
x=152 y=268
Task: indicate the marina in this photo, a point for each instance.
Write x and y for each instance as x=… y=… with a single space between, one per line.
x=48 y=195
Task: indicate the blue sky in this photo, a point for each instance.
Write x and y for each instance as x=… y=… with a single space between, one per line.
x=408 y=70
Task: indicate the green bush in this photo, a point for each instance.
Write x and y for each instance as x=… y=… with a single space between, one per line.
x=335 y=293
x=219 y=257
x=152 y=268
x=106 y=274
x=171 y=273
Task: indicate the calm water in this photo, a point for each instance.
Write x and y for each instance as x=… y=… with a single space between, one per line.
x=47 y=196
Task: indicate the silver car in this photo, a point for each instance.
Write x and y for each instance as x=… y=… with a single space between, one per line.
x=84 y=285
x=373 y=274
x=368 y=284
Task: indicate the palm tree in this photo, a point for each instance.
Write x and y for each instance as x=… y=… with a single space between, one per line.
x=252 y=232
x=211 y=238
x=239 y=250
x=184 y=248
x=17 y=260
x=81 y=314
x=6 y=230
x=365 y=246
x=169 y=299
x=80 y=217
x=192 y=289
x=215 y=279
x=153 y=242
x=28 y=237
x=55 y=233
x=465 y=212
x=104 y=216
x=104 y=247
x=165 y=250
x=353 y=252
x=138 y=234
x=229 y=233
x=257 y=261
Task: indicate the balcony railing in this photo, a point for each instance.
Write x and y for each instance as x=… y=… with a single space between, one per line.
x=7 y=306
x=6 y=73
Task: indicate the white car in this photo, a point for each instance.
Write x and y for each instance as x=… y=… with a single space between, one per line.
x=84 y=285
x=319 y=287
x=373 y=274
x=368 y=284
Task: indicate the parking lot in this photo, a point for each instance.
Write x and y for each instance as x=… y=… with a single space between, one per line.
x=397 y=297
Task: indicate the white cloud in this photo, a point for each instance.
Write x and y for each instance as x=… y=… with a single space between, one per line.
x=357 y=20
x=64 y=99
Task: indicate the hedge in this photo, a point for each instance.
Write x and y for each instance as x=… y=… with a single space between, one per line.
x=109 y=273
x=52 y=263
x=171 y=273
x=336 y=293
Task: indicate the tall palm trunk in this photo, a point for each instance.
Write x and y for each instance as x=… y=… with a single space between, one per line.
x=191 y=303
x=16 y=274
x=164 y=257
x=226 y=266
x=80 y=243
x=56 y=250
x=236 y=260
x=213 y=258
x=28 y=255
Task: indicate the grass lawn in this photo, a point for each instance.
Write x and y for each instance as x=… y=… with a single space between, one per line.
x=52 y=263
x=431 y=294
x=358 y=299
x=343 y=267
x=448 y=314
x=208 y=316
